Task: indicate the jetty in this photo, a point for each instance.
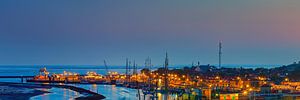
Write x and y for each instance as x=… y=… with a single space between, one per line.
x=22 y=78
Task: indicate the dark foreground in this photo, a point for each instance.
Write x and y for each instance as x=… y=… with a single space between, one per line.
x=24 y=91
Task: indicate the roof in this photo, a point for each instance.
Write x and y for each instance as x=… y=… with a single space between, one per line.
x=266 y=85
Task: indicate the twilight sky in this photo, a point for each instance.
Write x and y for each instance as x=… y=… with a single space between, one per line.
x=86 y=32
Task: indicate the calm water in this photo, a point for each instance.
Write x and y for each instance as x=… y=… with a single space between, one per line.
x=111 y=92
x=57 y=94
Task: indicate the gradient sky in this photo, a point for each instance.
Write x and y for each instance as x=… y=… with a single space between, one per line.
x=86 y=32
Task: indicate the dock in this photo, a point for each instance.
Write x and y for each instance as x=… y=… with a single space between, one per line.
x=23 y=78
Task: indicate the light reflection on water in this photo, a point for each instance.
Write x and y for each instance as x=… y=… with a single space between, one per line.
x=112 y=92
x=57 y=94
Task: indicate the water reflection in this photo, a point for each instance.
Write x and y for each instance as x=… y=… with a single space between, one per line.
x=112 y=92
x=95 y=88
x=56 y=94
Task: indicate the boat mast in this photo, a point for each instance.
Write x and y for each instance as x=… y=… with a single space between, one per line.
x=129 y=72
x=148 y=66
x=107 y=72
x=136 y=79
x=105 y=66
x=166 y=75
x=134 y=68
x=129 y=67
x=150 y=78
x=126 y=73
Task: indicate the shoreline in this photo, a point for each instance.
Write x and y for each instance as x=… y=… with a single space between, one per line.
x=13 y=92
x=16 y=92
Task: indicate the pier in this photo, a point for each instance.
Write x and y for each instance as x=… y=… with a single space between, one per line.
x=18 y=77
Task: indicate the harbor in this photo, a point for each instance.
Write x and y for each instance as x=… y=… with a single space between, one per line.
x=198 y=82
x=149 y=50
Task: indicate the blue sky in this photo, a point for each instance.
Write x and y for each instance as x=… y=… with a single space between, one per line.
x=86 y=32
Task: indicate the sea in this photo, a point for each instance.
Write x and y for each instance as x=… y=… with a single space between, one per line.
x=111 y=92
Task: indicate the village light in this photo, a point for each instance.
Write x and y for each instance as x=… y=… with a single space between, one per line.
x=247 y=85
x=245 y=92
x=286 y=79
x=250 y=89
x=265 y=82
